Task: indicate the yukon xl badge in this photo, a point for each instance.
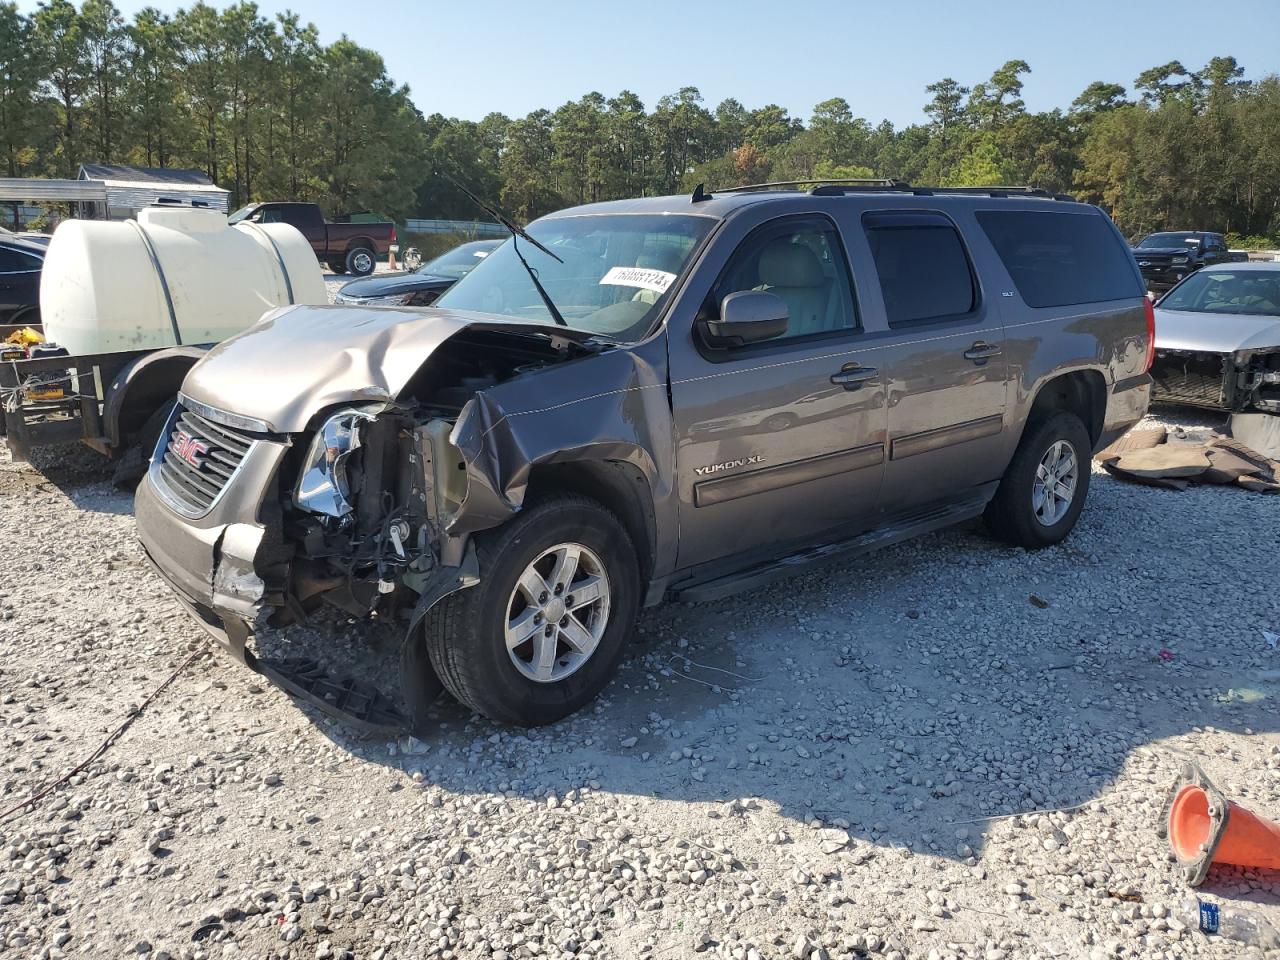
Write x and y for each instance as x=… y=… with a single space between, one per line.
x=727 y=465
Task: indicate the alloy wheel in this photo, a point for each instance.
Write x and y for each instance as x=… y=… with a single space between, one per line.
x=557 y=613
x=1055 y=484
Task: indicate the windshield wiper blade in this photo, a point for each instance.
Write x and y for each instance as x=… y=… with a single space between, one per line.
x=517 y=231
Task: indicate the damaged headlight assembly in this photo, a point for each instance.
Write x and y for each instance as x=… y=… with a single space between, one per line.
x=323 y=486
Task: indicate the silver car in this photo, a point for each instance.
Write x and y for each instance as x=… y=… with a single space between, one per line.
x=1218 y=339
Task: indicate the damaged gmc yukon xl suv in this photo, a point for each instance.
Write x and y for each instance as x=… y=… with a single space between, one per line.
x=676 y=397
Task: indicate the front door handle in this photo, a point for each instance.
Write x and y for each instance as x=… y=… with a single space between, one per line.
x=852 y=376
x=981 y=352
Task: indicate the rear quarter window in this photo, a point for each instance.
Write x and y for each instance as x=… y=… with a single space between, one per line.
x=1057 y=259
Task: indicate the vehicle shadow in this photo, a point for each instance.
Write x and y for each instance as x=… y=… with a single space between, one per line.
x=917 y=697
x=79 y=474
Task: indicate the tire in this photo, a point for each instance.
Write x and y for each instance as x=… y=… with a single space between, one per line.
x=337 y=266
x=1012 y=515
x=134 y=462
x=466 y=633
x=360 y=261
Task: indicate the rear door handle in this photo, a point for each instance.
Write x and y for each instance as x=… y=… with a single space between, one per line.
x=852 y=377
x=981 y=352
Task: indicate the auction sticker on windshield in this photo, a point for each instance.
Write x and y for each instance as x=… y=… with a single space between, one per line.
x=641 y=277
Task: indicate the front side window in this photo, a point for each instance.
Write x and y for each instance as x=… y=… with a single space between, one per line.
x=923 y=267
x=802 y=263
x=615 y=278
x=1057 y=259
x=1250 y=292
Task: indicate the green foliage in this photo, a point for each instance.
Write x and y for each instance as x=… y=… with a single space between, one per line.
x=259 y=105
x=270 y=113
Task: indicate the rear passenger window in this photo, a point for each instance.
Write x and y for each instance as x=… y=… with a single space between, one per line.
x=1056 y=259
x=923 y=268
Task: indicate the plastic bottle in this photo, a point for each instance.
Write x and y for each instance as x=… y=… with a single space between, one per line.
x=1234 y=923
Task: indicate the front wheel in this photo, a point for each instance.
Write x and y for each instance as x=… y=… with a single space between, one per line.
x=543 y=631
x=1045 y=486
x=360 y=261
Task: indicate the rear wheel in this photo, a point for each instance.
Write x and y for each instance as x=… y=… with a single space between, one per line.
x=1045 y=486
x=543 y=631
x=360 y=261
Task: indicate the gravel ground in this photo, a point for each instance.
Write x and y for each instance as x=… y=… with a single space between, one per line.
x=824 y=769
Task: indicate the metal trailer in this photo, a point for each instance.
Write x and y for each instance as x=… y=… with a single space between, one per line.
x=77 y=415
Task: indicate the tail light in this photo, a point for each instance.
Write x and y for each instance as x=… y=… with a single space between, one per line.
x=1150 y=310
x=393 y=233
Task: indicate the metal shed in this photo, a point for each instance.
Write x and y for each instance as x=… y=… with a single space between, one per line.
x=130 y=189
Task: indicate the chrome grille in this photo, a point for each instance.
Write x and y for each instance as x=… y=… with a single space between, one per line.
x=198 y=461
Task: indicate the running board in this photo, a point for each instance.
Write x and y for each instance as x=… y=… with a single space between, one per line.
x=903 y=527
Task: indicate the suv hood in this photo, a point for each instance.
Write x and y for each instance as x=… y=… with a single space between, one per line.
x=297 y=361
x=1215 y=332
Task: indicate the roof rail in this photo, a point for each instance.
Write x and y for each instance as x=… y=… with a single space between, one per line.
x=995 y=191
x=811 y=182
x=819 y=187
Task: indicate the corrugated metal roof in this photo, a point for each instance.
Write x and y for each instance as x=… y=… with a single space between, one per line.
x=32 y=189
x=117 y=171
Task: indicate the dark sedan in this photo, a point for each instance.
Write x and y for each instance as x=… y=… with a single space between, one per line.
x=20 y=266
x=420 y=288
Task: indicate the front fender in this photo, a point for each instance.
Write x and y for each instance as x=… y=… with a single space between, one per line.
x=607 y=407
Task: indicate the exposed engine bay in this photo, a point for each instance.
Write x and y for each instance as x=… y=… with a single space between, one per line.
x=370 y=504
x=1244 y=380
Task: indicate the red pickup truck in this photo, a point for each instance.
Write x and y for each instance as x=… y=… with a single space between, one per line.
x=346 y=247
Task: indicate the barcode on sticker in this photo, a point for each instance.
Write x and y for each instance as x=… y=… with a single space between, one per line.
x=639 y=277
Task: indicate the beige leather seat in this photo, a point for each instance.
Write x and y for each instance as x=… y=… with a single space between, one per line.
x=793 y=274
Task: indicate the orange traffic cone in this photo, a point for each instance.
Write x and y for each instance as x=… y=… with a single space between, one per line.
x=1204 y=828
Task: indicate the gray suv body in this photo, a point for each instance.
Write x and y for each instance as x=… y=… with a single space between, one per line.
x=743 y=383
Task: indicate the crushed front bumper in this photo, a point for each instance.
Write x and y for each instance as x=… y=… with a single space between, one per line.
x=227 y=571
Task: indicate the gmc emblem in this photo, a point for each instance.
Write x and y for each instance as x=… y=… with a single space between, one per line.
x=188 y=449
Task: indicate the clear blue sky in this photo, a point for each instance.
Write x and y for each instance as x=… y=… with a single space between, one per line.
x=467 y=59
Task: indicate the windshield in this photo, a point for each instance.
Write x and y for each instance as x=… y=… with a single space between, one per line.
x=614 y=280
x=1254 y=292
x=1170 y=240
x=459 y=261
x=242 y=213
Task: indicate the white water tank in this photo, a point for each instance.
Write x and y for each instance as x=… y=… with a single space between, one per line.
x=176 y=275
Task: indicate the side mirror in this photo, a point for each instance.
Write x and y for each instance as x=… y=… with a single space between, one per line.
x=747 y=316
